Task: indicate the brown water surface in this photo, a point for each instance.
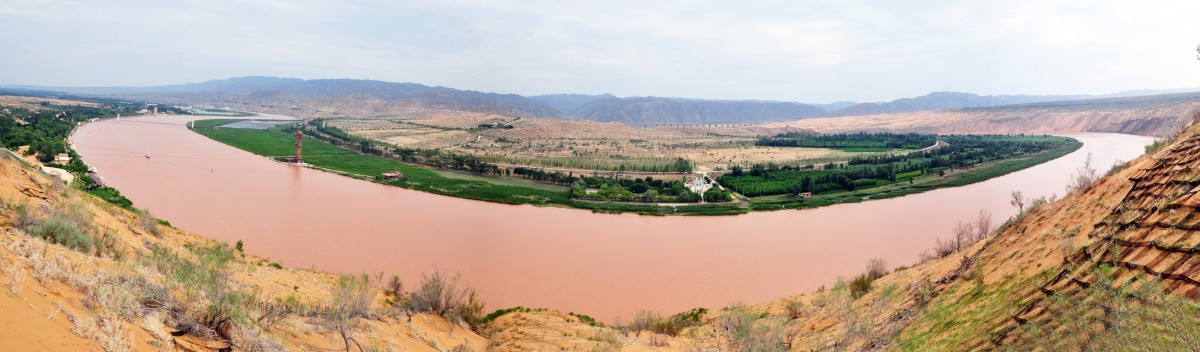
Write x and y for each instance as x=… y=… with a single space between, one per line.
x=572 y=260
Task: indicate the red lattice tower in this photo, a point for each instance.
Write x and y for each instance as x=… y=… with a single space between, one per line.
x=297 y=159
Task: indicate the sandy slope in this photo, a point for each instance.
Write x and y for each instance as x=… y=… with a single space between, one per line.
x=1145 y=117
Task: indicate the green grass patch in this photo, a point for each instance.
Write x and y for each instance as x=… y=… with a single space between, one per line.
x=112 y=195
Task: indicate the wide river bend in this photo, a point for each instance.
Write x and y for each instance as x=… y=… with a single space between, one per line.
x=604 y=265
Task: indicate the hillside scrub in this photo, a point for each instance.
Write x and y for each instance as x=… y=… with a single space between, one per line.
x=1133 y=318
x=445 y=295
x=62 y=231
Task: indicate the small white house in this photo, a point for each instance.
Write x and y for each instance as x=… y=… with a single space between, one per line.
x=698 y=185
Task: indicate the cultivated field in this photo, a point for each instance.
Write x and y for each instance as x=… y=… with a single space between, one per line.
x=583 y=145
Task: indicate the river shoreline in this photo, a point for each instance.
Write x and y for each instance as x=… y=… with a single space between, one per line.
x=605 y=265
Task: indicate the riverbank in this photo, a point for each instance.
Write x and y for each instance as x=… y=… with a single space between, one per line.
x=274 y=144
x=320 y=154
x=606 y=265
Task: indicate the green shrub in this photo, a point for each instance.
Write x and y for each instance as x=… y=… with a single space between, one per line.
x=500 y=312
x=861 y=285
x=112 y=195
x=587 y=319
x=1153 y=147
x=62 y=231
x=676 y=323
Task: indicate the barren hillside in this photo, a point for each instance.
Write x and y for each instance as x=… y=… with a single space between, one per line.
x=1145 y=115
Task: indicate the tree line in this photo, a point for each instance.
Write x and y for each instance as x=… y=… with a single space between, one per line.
x=961 y=151
x=853 y=141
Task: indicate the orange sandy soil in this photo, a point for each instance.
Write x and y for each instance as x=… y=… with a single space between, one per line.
x=52 y=296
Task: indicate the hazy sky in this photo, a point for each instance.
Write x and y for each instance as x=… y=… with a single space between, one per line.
x=809 y=51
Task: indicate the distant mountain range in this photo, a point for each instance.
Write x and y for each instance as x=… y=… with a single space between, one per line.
x=359 y=97
x=272 y=92
x=656 y=110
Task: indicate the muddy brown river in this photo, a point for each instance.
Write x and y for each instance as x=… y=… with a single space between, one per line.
x=604 y=265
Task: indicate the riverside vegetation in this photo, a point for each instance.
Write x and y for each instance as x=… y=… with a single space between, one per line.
x=957 y=160
x=962 y=160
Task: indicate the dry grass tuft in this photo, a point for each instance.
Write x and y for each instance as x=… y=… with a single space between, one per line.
x=105 y=329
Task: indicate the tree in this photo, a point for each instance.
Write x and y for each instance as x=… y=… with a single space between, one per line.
x=682 y=165
x=806 y=185
x=1085 y=177
x=983 y=225
x=1018 y=200
x=795 y=189
x=962 y=235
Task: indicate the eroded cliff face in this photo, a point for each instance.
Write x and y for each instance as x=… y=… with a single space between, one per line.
x=1157 y=115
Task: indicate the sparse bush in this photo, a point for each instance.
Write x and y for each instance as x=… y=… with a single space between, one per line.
x=606 y=341
x=746 y=332
x=966 y=233
x=147 y=223
x=642 y=321
x=211 y=305
x=944 y=248
x=447 y=297
x=65 y=232
x=795 y=308
x=876 y=268
x=1085 y=177
x=351 y=300
x=963 y=232
x=1018 y=201
x=471 y=311
x=24 y=217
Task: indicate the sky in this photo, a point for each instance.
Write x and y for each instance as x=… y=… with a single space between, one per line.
x=792 y=50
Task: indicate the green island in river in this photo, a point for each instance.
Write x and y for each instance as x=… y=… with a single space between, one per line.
x=965 y=160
